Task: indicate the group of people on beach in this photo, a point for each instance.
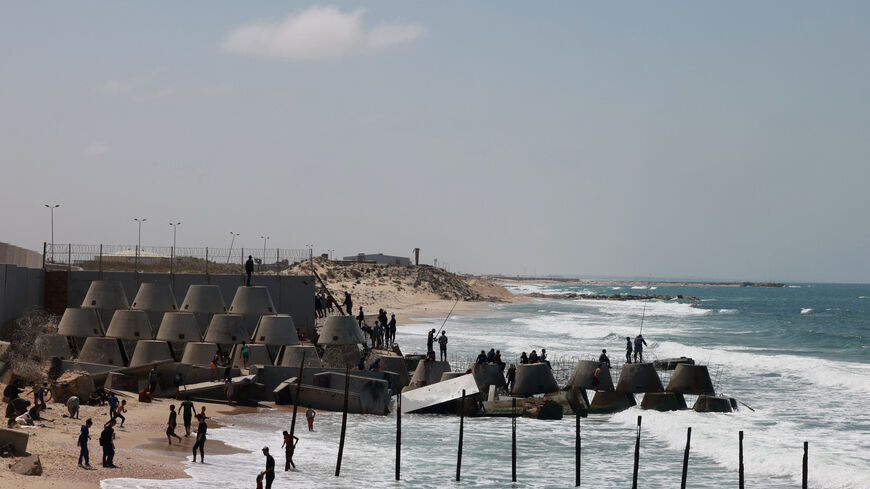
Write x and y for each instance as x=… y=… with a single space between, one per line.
x=383 y=333
x=324 y=305
x=442 y=345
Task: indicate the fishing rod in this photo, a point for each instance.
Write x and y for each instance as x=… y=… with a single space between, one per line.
x=648 y=296
x=447 y=317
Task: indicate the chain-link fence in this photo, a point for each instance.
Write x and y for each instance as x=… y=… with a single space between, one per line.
x=170 y=259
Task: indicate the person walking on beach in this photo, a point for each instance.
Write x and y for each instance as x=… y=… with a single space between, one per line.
x=269 y=473
x=603 y=359
x=249 y=269
x=107 y=441
x=112 y=401
x=628 y=349
x=171 y=424
x=442 y=345
x=309 y=415
x=187 y=411
x=200 y=438
x=639 y=343
x=289 y=447
x=84 y=436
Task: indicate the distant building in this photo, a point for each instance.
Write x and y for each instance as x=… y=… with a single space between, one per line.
x=129 y=256
x=379 y=258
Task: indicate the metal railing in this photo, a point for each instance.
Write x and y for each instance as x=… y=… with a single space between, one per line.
x=169 y=259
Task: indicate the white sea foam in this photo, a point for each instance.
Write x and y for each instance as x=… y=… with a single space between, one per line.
x=728 y=311
x=806 y=310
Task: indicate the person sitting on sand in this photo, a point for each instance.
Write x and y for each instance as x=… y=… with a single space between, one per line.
x=24 y=420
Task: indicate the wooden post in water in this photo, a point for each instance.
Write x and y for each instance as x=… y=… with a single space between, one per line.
x=461 y=432
x=398 y=434
x=343 y=421
x=686 y=458
x=298 y=390
x=636 y=455
x=740 y=469
x=577 y=451
x=513 y=440
x=806 y=464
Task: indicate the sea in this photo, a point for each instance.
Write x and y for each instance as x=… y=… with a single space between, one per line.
x=797 y=358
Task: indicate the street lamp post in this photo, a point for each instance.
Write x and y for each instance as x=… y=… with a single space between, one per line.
x=330 y=254
x=139 y=243
x=263 y=263
x=310 y=255
x=174 y=234
x=231 y=245
x=51 y=208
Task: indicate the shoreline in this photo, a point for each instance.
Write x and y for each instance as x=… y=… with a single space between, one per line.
x=552 y=280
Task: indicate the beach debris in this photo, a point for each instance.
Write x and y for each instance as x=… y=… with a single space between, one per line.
x=715 y=404
x=663 y=401
x=17 y=440
x=428 y=372
x=73 y=383
x=29 y=465
x=438 y=396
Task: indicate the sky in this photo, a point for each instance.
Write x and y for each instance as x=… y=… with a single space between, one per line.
x=685 y=139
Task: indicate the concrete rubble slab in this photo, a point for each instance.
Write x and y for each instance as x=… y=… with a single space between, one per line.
x=439 y=393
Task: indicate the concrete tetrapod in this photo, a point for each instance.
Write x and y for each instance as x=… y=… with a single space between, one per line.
x=106 y=294
x=150 y=351
x=154 y=297
x=341 y=330
x=276 y=330
x=199 y=353
x=79 y=323
x=226 y=329
x=178 y=326
x=52 y=345
x=254 y=301
x=691 y=379
x=258 y=355
x=488 y=374
x=638 y=377
x=104 y=351
x=583 y=373
x=293 y=355
x=204 y=299
x=127 y=324
x=427 y=373
x=534 y=378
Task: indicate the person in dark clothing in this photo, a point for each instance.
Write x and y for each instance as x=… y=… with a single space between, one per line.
x=84 y=436
x=171 y=424
x=382 y=318
x=602 y=359
x=511 y=376
x=442 y=345
x=348 y=303
x=543 y=358
x=249 y=269
x=391 y=326
x=533 y=357
x=639 y=343
x=361 y=317
x=289 y=447
x=12 y=390
x=187 y=411
x=112 y=401
x=107 y=441
x=524 y=359
x=481 y=359
x=596 y=377
x=269 y=473
x=430 y=341
x=497 y=359
x=153 y=379
x=318 y=310
x=490 y=357
x=628 y=349
x=200 y=438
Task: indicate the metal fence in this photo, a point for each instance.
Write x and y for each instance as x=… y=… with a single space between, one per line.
x=170 y=259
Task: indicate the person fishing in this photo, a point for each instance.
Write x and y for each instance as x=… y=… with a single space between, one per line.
x=442 y=345
x=628 y=349
x=639 y=343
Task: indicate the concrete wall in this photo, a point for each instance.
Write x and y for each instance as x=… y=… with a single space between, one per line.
x=22 y=257
x=21 y=289
x=291 y=294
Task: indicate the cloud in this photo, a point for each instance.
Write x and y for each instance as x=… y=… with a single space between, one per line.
x=96 y=149
x=318 y=33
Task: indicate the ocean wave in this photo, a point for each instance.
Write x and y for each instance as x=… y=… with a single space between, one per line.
x=727 y=311
x=806 y=310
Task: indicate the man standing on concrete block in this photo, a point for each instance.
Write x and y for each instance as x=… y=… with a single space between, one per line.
x=249 y=269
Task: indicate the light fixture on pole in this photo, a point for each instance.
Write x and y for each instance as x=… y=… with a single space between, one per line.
x=51 y=208
x=264 y=238
x=139 y=243
x=330 y=253
x=231 y=245
x=174 y=234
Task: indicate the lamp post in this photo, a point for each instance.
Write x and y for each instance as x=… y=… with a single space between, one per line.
x=231 y=245
x=264 y=238
x=310 y=255
x=51 y=208
x=174 y=234
x=330 y=254
x=139 y=243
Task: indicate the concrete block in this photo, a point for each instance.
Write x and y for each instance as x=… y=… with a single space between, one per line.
x=18 y=440
x=427 y=373
x=156 y=297
x=129 y=325
x=610 y=402
x=276 y=330
x=103 y=351
x=52 y=345
x=638 y=377
x=534 y=378
x=179 y=326
x=150 y=351
x=79 y=323
x=254 y=301
x=259 y=355
x=341 y=330
x=226 y=329
x=206 y=299
x=713 y=404
x=663 y=401
x=106 y=294
x=292 y=356
x=583 y=373
x=197 y=353
x=691 y=379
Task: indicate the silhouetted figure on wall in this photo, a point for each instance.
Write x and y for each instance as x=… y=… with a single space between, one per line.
x=249 y=269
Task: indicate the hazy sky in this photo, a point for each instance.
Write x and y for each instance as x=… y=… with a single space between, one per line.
x=682 y=139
